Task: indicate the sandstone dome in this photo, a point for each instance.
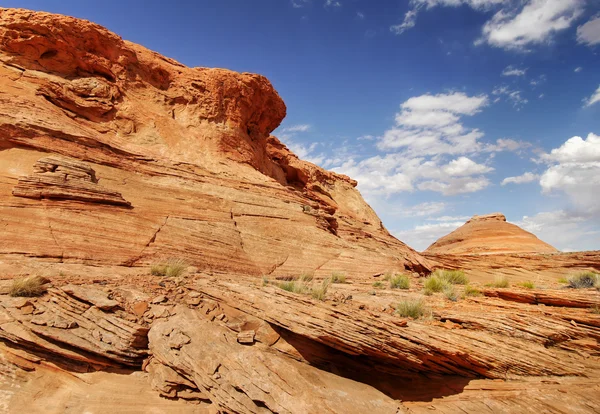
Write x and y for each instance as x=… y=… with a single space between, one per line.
x=489 y=234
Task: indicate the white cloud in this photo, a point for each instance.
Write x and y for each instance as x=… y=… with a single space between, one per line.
x=567 y=231
x=538 y=81
x=589 y=33
x=535 y=23
x=426 y=209
x=450 y=218
x=464 y=166
x=513 y=71
x=296 y=128
x=360 y=15
x=517 y=23
x=528 y=177
x=297 y=4
x=455 y=186
x=422 y=236
x=595 y=98
x=578 y=69
x=332 y=3
x=410 y=18
x=574 y=169
x=395 y=173
x=513 y=96
x=430 y=124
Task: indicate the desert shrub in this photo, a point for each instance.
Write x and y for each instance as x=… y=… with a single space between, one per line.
x=379 y=284
x=455 y=277
x=471 y=291
x=337 y=277
x=169 y=268
x=373 y=293
x=500 y=282
x=595 y=309
x=563 y=280
x=434 y=284
x=584 y=280
x=527 y=285
x=400 y=282
x=388 y=275
x=319 y=292
x=450 y=293
x=29 y=286
x=293 y=286
x=414 y=308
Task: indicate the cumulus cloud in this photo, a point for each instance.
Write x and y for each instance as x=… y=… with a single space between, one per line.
x=513 y=71
x=578 y=69
x=430 y=124
x=517 y=24
x=528 y=177
x=595 y=98
x=535 y=23
x=589 y=33
x=574 y=169
x=397 y=172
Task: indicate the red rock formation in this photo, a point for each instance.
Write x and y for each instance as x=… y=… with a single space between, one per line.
x=188 y=151
x=489 y=234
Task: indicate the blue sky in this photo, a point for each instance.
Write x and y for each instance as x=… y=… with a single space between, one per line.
x=441 y=109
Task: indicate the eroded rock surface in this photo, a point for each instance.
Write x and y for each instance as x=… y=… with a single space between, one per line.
x=90 y=123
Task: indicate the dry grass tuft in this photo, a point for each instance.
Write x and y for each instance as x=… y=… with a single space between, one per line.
x=337 y=277
x=454 y=277
x=414 y=308
x=471 y=291
x=527 y=285
x=500 y=282
x=29 y=286
x=400 y=282
x=169 y=268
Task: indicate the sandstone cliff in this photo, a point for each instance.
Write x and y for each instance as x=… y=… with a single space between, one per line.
x=489 y=234
x=113 y=154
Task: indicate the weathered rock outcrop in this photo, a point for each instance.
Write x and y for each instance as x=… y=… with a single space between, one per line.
x=489 y=234
x=90 y=124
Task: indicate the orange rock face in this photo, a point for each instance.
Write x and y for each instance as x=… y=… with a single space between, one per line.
x=113 y=154
x=489 y=234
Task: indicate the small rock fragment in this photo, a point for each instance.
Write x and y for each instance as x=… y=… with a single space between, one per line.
x=246 y=337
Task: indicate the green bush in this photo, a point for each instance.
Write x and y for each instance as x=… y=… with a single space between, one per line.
x=379 y=284
x=527 y=285
x=400 y=282
x=411 y=308
x=471 y=291
x=563 y=280
x=434 y=284
x=584 y=280
x=454 y=277
x=169 y=268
